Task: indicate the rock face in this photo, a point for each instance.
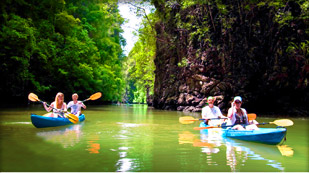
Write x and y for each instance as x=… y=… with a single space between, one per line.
x=203 y=52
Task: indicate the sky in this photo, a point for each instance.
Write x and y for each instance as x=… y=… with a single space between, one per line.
x=131 y=26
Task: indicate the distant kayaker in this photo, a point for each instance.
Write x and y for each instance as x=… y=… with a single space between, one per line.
x=238 y=116
x=58 y=106
x=76 y=105
x=210 y=112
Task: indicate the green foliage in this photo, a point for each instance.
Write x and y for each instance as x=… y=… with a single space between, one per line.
x=183 y=63
x=140 y=63
x=68 y=46
x=17 y=39
x=259 y=48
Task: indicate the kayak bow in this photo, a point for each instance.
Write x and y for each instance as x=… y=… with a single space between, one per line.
x=42 y=121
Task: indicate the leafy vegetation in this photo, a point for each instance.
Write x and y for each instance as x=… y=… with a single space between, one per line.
x=256 y=49
x=68 y=46
x=140 y=63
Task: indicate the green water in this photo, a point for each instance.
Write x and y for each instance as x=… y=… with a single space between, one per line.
x=138 y=138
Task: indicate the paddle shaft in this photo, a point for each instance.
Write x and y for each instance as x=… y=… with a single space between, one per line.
x=277 y=122
x=249 y=124
x=209 y=127
x=52 y=107
x=85 y=100
x=202 y=119
x=212 y=118
x=250 y=117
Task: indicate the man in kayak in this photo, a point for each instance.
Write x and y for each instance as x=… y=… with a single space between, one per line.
x=238 y=116
x=76 y=105
x=58 y=106
x=212 y=113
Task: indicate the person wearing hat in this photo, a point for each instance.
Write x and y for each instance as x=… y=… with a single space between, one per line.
x=212 y=113
x=238 y=116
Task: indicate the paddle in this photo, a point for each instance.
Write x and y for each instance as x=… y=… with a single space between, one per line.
x=190 y=120
x=281 y=122
x=94 y=96
x=33 y=97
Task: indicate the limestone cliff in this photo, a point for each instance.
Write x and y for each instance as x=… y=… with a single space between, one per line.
x=228 y=49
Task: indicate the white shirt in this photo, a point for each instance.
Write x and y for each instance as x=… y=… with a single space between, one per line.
x=75 y=108
x=209 y=113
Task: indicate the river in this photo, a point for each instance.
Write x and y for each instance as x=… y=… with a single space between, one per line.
x=134 y=138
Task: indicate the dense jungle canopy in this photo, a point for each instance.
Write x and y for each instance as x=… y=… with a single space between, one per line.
x=68 y=46
x=186 y=51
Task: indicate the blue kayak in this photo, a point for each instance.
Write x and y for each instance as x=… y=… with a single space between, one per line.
x=262 y=135
x=42 y=121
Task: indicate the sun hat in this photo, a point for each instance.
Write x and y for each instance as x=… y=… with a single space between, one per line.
x=238 y=98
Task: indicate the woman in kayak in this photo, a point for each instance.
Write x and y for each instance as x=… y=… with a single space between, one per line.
x=211 y=112
x=76 y=105
x=58 y=106
x=238 y=116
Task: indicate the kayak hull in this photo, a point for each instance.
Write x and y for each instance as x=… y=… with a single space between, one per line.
x=41 y=121
x=271 y=136
x=262 y=135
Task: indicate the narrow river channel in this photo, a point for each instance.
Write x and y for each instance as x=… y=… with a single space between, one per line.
x=133 y=138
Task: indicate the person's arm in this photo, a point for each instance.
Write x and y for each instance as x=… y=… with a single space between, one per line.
x=65 y=107
x=48 y=109
x=219 y=113
x=231 y=110
x=204 y=113
x=83 y=105
x=69 y=105
x=230 y=113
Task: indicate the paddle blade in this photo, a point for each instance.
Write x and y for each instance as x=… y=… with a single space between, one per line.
x=283 y=122
x=33 y=97
x=187 y=120
x=73 y=118
x=95 y=96
x=251 y=116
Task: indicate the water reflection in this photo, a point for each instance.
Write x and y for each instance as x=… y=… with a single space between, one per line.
x=93 y=146
x=134 y=131
x=237 y=152
x=187 y=137
x=124 y=164
x=286 y=150
x=67 y=137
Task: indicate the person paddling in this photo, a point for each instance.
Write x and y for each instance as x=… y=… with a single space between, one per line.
x=58 y=106
x=211 y=112
x=238 y=116
x=76 y=105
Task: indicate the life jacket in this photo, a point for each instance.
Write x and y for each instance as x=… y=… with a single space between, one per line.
x=241 y=119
